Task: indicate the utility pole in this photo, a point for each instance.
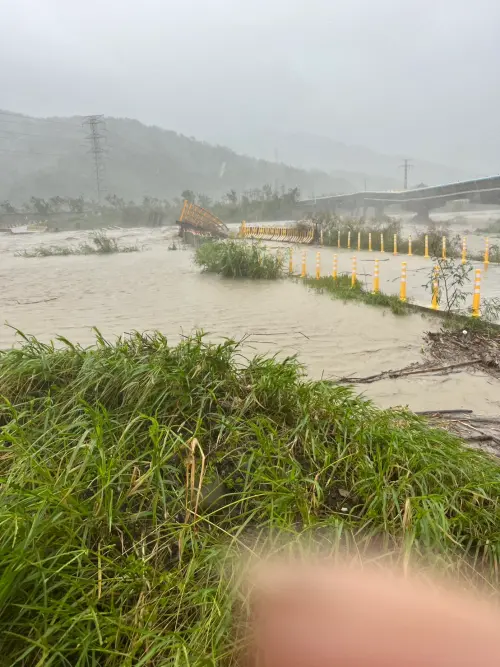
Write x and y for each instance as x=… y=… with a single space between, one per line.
x=406 y=166
x=95 y=137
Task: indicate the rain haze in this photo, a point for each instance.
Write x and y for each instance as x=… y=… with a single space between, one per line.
x=413 y=78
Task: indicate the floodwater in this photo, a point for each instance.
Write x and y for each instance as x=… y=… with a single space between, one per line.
x=162 y=289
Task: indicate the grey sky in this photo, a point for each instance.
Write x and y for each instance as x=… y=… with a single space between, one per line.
x=412 y=77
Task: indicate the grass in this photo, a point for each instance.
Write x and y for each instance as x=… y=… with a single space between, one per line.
x=135 y=474
x=100 y=244
x=341 y=288
x=237 y=259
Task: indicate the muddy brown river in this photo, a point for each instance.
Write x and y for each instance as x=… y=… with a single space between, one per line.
x=161 y=289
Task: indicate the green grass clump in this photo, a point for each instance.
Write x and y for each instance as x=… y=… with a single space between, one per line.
x=109 y=554
x=237 y=259
x=100 y=244
x=134 y=474
x=341 y=288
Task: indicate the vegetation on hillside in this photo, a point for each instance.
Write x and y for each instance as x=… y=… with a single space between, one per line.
x=144 y=159
x=237 y=259
x=136 y=473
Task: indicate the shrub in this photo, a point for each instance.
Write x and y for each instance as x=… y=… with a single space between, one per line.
x=237 y=259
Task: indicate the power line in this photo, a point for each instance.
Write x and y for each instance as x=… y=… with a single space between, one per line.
x=406 y=166
x=95 y=137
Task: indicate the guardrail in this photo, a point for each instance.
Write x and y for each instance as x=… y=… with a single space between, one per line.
x=286 y=234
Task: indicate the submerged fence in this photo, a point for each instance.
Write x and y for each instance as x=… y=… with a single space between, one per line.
x=286 y=234
x=371 y=241
x=476 y=296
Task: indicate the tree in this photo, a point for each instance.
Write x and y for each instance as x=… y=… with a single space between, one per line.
x=57 y=202
x=204 y=200
x=188 y=195
x=268 y=191
x=116 y=202
x=40 y=205
x=7 y=207
x=452 y=279
x=76 y=205
x=232 y=197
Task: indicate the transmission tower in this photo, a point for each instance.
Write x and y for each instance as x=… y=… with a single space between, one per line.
x=96 y=138
x=406 y=166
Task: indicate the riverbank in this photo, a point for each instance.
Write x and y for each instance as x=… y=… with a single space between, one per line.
x=137 y=474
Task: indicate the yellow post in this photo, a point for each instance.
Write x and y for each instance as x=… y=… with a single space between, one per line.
x=359 y=241
x=435 y=289
x=486 y=252
x=334 y=269
x=409 y=246
x=348 y=240
x=353 y=274
x=464 y=250
x=426 y=251
x=376 y=278
x=290 y=261
x=338 y=241
x=318 y=266
x=321 y=237
x=370 y=241
x=381 y=243
x=303 y=272
x=444 y=248
x=395 y=244
x=402 y=289
x=476 y=299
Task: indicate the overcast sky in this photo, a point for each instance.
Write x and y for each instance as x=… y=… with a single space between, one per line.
x=414 y=77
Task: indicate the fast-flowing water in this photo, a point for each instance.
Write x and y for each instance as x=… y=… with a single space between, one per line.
x=162 y=289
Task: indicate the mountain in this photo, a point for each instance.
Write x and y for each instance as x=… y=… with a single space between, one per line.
x=356 y=164
x=43 y=157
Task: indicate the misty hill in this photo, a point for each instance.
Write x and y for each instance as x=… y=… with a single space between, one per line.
x=356 y=164
x=46 y=157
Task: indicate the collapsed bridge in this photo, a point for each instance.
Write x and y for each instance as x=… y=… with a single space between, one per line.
x=197 y=221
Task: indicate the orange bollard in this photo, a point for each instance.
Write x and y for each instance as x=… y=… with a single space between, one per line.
x=444 y=248
x=370 y=241
x=435 y=289
x=409 y=246
x=376 y=278
x=402 y=289
x=338 y=240
x=348 y=240
x=464 y=250
x=476 y=299
x=290 y=261
x=359 y=241
x=318 y=265
x=353 y=274
x=395 y=244
x=303 y=272
x=334 y=269
x=381 y=243
x=486 y=252
x=426 y=251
